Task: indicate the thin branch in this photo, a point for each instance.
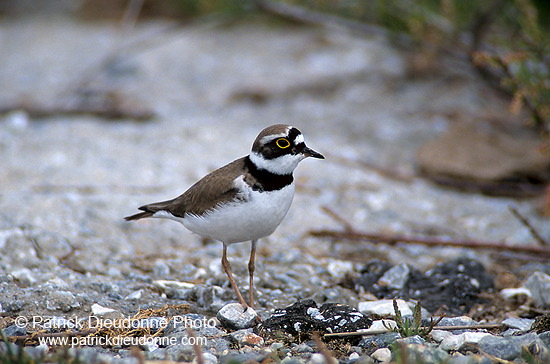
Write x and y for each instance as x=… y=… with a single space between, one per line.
x=528 y=225
x=308 y=16
x=131 y=14
x=393 y=239
x=345 y=224
x=304 y=15
x=446 y=328
x=114 y=105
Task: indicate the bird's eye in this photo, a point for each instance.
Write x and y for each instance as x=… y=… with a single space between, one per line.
x=282 y=143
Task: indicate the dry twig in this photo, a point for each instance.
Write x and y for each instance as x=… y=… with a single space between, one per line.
x=447 y=328
x=528 y=225
x=345 y=224
x=308 y=16
x=394 y=239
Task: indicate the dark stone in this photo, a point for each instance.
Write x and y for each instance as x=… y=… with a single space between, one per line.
x=250 y=357
x=15 y=330
x=304 y=317
x=372 y=343
x=455 y=284
x=507 y=348
x=545 y=337
x=416 y=339
x=425 y=354
x=372 y=273
x=541 y=324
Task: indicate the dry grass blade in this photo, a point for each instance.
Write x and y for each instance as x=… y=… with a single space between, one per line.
x=323 y=349
x=196 y=347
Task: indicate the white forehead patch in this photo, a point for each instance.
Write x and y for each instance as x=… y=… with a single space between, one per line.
x=299 y=139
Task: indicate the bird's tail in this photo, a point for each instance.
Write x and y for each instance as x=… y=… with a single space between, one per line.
x=138 y=216
x=149 y=210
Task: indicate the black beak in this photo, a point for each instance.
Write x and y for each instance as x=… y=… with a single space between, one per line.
x=308 y=152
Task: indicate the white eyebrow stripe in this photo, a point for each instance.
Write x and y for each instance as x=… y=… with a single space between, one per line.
x=299 y=138
x=268 y=138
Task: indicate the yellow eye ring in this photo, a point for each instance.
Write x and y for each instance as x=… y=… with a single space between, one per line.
x=282 y=143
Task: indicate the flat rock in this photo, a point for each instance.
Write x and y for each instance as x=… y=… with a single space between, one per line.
x=455 y=342
x=507 y=348
x=234 y=316
x=480 y=152
x=521 y=325
x=455 y=284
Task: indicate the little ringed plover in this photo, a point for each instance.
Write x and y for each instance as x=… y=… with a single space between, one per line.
x=244 y=200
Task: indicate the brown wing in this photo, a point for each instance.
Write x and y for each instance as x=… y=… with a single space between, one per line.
x=213 y=189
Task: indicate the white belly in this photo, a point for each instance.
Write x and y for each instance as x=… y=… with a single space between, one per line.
x=254 y=218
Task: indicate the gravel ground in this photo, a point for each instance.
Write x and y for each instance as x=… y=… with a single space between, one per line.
x=67 y=181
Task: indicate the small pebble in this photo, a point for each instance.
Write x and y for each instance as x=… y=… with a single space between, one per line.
x=105 y=312
x=317 y=358
x=384 y=308
x=61 y=300
x=24 y=276
x=382 y=355
x=15 y=330
x=425 y=354
x=208 y=357
x=396 y=277
x=456 y=321
x=303 y=348
x=234 y=316
x=455 y=342
x=512 y=293
x=522 y=325
x=380 y=325
x=439 y=335
x=17 y=120
x=338 y=268
x=538 y=284
x=161 y=269
x=136 y=295
x=416 y=339
x=247 y=337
